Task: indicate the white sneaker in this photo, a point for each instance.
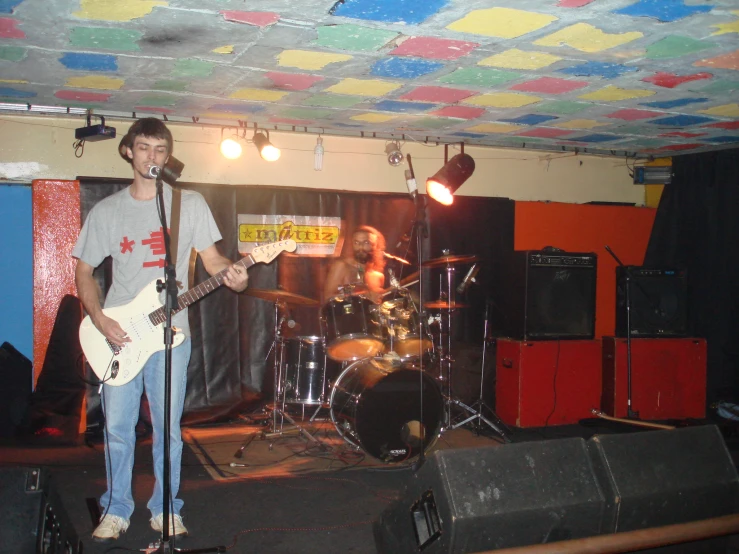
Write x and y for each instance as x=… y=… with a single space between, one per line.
x=176 y=527
x=110 y=528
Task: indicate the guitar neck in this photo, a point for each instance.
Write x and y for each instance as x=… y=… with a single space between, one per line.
x=200 y=291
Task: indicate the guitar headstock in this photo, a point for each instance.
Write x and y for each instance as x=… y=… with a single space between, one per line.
x=268 y=252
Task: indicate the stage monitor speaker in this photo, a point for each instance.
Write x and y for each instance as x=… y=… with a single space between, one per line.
x=32 y=517
x=520 y=494
x=658 y=302
x=547 y=295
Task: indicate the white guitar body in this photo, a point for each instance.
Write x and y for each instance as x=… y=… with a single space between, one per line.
x=146 y=339
x=143 y=320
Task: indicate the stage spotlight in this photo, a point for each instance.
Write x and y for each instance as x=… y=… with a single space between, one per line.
x=394 y=155
x=266 y=149
x=442 y=186
x=230 y=149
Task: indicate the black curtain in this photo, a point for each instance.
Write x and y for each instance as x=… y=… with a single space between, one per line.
x=232 y=334
x=697 y=227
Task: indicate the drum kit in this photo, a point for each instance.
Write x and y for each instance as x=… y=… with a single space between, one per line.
x=379 y=369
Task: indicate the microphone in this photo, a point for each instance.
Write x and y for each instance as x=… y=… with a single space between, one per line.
x=154 y=171
x=469 y=278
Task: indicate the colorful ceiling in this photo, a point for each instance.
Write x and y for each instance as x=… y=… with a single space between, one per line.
x=645 y=77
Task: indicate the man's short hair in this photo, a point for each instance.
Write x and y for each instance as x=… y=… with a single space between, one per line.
x=145 y=127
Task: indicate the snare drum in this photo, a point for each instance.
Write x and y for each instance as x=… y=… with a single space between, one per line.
x=351 y=327
x=376 y=406
x=304 y=370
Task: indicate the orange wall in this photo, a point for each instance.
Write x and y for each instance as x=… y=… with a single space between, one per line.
x=56 y=224
x=587 y=228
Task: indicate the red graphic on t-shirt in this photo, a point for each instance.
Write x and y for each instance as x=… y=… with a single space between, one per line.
x=127 y=245
x=156 y=243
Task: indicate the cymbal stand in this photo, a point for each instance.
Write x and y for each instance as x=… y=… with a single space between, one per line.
x=445 y=339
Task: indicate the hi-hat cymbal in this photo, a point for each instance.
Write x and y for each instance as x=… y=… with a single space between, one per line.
x=444 y=305
x=276 y=295
x=451 y=260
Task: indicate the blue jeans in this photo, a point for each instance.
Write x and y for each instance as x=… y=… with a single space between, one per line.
x=121 y=406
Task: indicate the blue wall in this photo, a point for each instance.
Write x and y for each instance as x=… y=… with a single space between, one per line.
x=16 y=268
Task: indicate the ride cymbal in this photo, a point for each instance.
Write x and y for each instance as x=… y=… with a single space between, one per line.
x=444 y=305
x=451 y=260
x=276 y=295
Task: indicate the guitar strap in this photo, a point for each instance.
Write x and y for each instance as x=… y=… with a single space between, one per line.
x=174 y=224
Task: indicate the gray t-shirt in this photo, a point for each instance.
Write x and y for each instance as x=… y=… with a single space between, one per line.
x=130 y=231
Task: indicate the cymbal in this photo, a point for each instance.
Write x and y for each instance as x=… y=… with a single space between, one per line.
x=444 y=305
x=276 y=295
x=410 y=280
x=451 y=260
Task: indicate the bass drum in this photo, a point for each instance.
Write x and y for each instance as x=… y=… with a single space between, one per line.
x=376 y=406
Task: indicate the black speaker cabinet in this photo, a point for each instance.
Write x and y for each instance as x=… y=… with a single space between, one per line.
x=658 y=302
x=32 y=517
x=547 y=295
x=479 y=499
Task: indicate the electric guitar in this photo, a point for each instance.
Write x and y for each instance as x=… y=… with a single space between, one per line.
x=143 y=320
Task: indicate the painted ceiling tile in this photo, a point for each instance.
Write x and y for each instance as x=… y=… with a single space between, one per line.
x=587 y=38
x=671 y=80
x=410 y=12
x=437 y=94
x=14 y=81
x=633 y=114
x=124 y=40
x=236 y=108
x=643 y=143
x=730 y=27
x=479 y=77
x=307 y=59
x=562 y=107
x=723 y=139
x=614 y=94
x=82 y=96
x=519 y=141
x=530 y=119
x=153 y=109
x=227 y=49
x=95 y=82
x=290 y=121
x=467 y=135
x=403 y=107
x=580 y=124
x=373 y=117
x=158 y=100
x=7 y=6
x=501 y=22
x=728 y=125
x=674 y=46
x=550 y=85
x=353 y=37
x=9 y=28
x=332 y=101
x=681 y=134
x=363 y=87
x=292 y=81
x=725 y=110
x=599 y=69
x=520 y=59
x=404 y=68
x=258 y=19
x=681 y=120
x=174 y=86
x=573 y=3
x=674 y=147
x=306 y=113
x=668 y=104
x=494 y=128
x=434 y=48
x=726 y=61
x=502 y=100
x=12 y=53
x=89 y=62
x=431 y=122
x=10 y=92
x=721 y=85
x=662 y=10
x=545 y=132
x=598 y=137
x=258 y=94
x=459 y=112
x=192 y=68
x=112 y=10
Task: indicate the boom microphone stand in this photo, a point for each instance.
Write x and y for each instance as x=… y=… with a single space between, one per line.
x=169 y=285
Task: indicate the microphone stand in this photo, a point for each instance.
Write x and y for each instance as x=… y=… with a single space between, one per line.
x=169 y=285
